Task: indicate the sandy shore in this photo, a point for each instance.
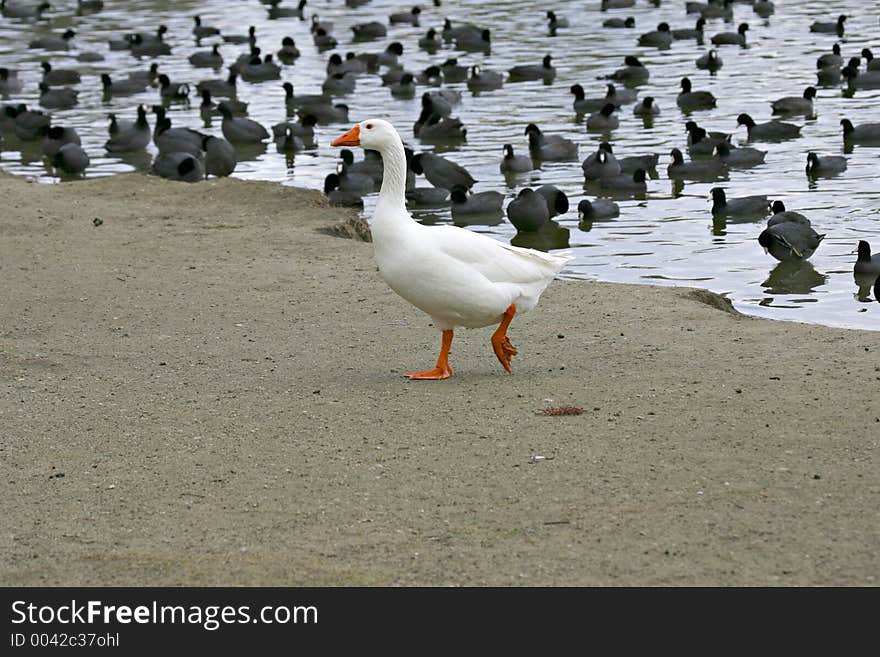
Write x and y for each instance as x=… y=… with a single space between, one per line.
x=205 y=389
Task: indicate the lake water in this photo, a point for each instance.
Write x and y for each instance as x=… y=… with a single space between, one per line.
x=666 y=239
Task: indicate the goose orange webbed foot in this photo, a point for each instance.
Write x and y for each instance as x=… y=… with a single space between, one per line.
x=430 y=375
x=504 y=351
x=501 y=343
x=442 y=369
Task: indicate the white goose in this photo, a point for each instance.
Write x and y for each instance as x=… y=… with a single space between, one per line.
x=456 y=276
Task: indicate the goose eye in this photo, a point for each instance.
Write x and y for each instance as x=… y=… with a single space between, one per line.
x=369 y=126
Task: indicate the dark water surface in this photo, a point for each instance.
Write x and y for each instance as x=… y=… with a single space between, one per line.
x=667 y=239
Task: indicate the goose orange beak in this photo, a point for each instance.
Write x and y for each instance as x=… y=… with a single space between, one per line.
x=350 y=138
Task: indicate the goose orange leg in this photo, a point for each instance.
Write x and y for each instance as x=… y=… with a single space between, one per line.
x=442 y=371
x=500 y=342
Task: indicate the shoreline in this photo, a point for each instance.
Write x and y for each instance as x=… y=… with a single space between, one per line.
x=205 y=389
x=356 y=228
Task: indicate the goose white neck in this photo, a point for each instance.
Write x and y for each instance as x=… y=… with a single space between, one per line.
x=391 y=195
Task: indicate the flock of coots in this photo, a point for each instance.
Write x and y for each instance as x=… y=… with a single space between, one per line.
x=190 y=154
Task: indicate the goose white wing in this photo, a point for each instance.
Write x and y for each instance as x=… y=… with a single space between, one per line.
x=498 y=262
